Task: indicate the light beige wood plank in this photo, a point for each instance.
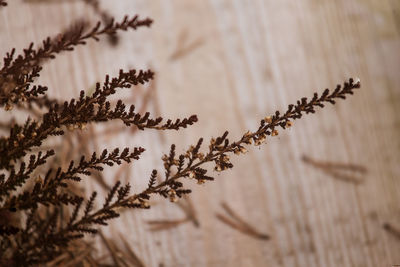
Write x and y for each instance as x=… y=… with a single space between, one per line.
x=253 y=58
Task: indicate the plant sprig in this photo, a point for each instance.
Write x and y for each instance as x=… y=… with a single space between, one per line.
x=18 y=72
x=218 y=153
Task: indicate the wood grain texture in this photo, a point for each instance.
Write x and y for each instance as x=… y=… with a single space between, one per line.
x=244 y=60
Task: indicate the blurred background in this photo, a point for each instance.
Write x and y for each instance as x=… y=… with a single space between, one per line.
x=326 y=191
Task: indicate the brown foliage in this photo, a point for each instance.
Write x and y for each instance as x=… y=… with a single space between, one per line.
x=48 y=213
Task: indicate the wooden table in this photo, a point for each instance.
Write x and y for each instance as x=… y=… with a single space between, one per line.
x=232 y=62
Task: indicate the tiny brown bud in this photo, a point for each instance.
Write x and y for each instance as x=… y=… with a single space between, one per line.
x=172 y=195
x=247 y=134
x=218 y=168
x=258 y=142
x=8 y=107
x=145 y=204
x=225 y=158
x=187 y=154
x=201 y=156
x=20 y=136
x=243 y=150
x=39 y=180
x=268 y=119
x=261 y=139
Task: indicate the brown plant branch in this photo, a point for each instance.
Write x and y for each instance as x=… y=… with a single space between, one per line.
x=218 y=150
x=145 y=101
x=18 y=73
x=105 y=17
x=186 y=205
x=87 y=109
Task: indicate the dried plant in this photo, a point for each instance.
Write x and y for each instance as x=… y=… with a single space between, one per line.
x=236 y=222
x=394 y=231
x=105 y=17
x=42 y=211
x=183 y=48
x=346 y=172
x=18 y=72
x=187 y=207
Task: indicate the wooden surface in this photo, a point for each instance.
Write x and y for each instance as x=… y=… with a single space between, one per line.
x=244 y=60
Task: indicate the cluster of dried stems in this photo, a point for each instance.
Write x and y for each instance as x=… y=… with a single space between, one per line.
x=46 y=214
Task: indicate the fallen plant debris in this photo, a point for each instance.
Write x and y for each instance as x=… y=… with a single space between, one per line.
x=188 y=208
x=82 y=253
x=237 y=223
x=392 y=230
x=121 y=256
x=134 y=259
x=159 y=225
x=346 y=172
x=186 y=205
x=183 y=49
x=46 y=212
